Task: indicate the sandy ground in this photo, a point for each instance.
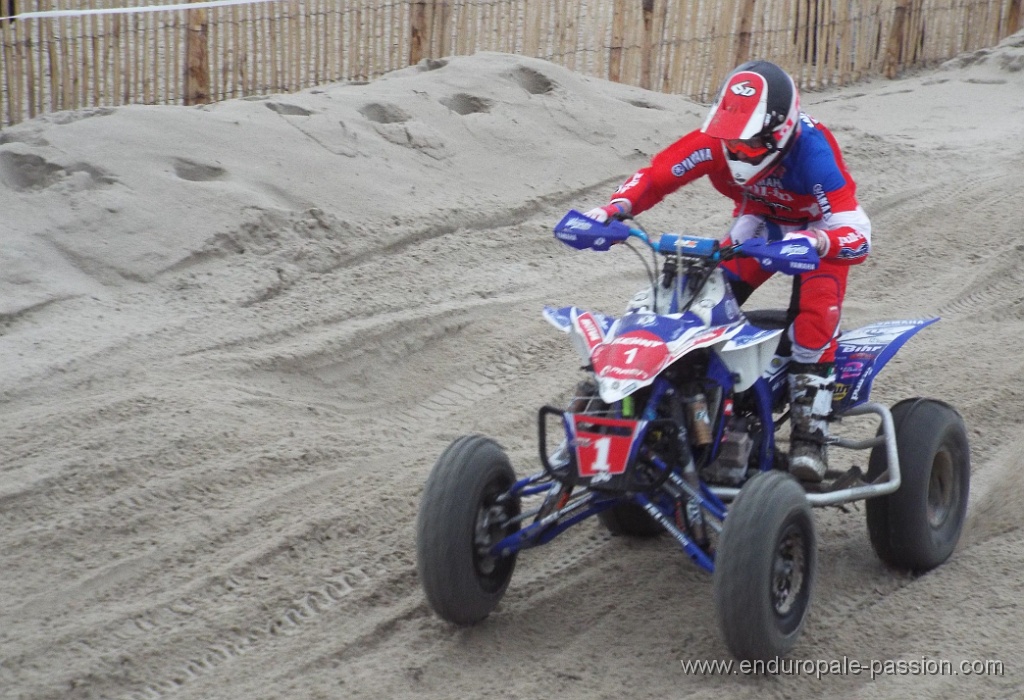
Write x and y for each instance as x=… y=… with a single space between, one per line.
x=234 y=339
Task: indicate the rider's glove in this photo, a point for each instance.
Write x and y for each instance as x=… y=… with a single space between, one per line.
x=815 y=237
x=618 y=208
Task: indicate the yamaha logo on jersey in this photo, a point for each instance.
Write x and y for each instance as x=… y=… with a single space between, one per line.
x=823 y=203
x=701 y=155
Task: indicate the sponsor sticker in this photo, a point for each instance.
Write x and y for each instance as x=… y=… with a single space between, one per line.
x=684 y=166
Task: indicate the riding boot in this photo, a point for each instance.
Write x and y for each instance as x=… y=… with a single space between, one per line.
x=810 y=399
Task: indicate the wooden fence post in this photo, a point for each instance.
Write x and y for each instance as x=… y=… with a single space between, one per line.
x=1013 y=19
x=419 y=30
x=743 y=38
x=647 y=45
x=197 y=59
x=894 y=51
x=12 y=73
x=618 y=38
x=442 y=15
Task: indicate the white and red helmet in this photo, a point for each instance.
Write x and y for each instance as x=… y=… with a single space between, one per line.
x=756 y=116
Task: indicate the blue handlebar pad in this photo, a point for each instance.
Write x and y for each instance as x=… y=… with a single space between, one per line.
x=687 y=246
x=792 y=257
x=581 y=233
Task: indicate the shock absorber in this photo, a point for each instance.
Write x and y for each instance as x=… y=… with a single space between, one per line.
x=688 y=512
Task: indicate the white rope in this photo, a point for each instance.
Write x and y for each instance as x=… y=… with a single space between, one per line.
x=132 y=10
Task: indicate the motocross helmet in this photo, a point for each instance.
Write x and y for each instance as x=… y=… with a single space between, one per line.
x=756 y=117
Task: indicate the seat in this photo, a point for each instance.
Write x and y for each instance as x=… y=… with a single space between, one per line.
x=768 y=319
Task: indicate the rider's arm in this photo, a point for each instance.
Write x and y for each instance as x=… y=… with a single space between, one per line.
x=847 y=238
x=844 y=229
x=684 y=161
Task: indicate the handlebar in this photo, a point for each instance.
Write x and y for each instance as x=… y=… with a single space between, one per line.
x=790 y=257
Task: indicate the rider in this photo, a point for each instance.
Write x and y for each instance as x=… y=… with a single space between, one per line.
x=786 y=175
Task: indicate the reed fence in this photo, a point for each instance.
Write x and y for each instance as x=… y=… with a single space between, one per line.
x=72 y=54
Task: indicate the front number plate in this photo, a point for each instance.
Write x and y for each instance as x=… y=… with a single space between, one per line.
x=603 y=445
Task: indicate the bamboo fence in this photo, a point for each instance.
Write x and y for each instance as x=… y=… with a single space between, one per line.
x=74 y=54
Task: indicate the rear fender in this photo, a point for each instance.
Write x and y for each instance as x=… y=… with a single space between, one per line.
x=863 y=352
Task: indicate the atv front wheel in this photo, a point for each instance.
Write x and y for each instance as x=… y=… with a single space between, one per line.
x=917 y=527
x=462 y=515
x=765 y=567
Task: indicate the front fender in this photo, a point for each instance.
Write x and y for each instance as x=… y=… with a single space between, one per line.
x=640 y=345
x=563 y=318
x=586 y=329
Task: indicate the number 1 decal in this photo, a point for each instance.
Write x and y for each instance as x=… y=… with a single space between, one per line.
x=600 y=463
x=631 y=355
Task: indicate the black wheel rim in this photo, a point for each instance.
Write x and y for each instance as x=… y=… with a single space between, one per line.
x=943 y=489
x=790 y=576
x=491 y=526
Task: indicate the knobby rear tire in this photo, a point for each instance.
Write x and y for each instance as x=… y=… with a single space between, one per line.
x=629 y=520
x=917 y=527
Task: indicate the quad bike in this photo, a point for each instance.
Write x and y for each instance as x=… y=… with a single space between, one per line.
x=674 y=430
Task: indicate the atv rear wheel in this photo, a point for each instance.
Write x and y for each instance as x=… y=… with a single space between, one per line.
x=765 y=567
x=917 y=527
x=630 y=520
x=462 y=515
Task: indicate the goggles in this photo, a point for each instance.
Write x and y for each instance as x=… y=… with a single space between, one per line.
x=749 y=150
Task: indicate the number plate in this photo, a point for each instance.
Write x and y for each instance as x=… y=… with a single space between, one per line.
x=603 y=445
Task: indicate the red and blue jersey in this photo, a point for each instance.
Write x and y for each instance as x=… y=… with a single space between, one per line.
x=810 y=188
